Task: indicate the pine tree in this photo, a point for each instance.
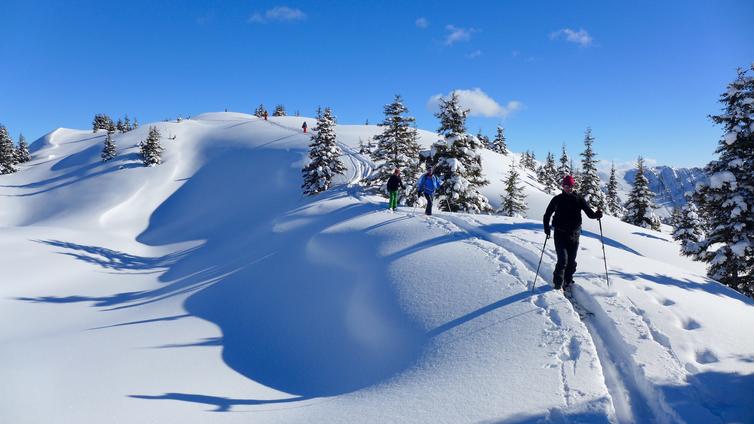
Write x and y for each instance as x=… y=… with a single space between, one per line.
x=7 y=152
x=564 y=168
x=101 y=122
x=513 y=200
x=22 y=152
x=639 y=206
x=590 y=181
x=687 y=228
x=108 y=150
x=613 y=203
x=324 y=155
x=397 y=147
x=127 y=124
x=727 y=200
x=498 y=144
x=260 y=111
x=119 y=126
x=548 y=175
x=457 y=161
x=484 y=141
x=524 y=160
x=279 y=111
x=150 y=149
x=136 y=124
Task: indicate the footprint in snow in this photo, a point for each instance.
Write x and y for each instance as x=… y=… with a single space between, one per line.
x=690 y=324
x=706 y=357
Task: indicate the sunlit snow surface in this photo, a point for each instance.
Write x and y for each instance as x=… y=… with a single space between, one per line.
x=208 y=289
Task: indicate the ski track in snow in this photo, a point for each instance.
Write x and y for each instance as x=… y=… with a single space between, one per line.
x=569 y=340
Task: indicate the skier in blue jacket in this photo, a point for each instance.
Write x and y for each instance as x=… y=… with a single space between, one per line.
x=427 y=185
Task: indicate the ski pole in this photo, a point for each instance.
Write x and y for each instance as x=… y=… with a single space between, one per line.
x=547 y=237
x=604 y=258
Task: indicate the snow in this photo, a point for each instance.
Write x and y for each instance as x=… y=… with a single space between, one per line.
x=718 y=179
x=208 y=289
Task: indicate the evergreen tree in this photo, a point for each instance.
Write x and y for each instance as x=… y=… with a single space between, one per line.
x=397 y=147
x=590 y=181
x=101 y=122
x=524 y=160
x=108 y=150
x=564 y=168
x=119 y=126
x=279 y=111
x=513 y=199
x=548 y=175
x=22 y=152
x=260 y=111
x=150 y=149
x=613 y=203
x=7 y=152
x=639 y=206
x=727 y=200
x=324 y=155
x=457 y=161
x=127 y=124
x=498 y=144
x=687 y=228
x=484 y=141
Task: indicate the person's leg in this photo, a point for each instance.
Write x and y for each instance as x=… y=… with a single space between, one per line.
x=572 y=249
x=393 y=199
x=428 y=210
x=562 y=252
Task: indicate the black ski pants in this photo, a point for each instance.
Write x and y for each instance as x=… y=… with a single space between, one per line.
x=566 y=247
x=429 y=197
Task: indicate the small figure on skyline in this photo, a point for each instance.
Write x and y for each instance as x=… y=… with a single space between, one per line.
x=304 y=127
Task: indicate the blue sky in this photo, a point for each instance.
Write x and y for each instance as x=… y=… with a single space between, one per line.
x=643 y=74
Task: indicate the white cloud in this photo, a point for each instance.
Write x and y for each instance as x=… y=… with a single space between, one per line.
x=475 y=54
x=580 y=37
x=456 y=34
x=422 y=23
x=279 y=14
x=478 y=103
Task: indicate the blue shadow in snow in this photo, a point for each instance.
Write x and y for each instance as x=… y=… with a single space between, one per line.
x=710 y=286
x=221 y=404
x=291 y=328
x=649 y=236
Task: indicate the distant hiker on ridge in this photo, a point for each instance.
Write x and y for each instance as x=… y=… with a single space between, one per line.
x=265 y=115
x=393 y=183
x=304 y=127
x=567 y=222
x=427 y=185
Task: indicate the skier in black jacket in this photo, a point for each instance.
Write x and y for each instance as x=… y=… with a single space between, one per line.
x=393 y=183
x=567 y=222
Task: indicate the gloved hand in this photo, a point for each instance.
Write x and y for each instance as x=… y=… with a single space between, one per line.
x=599 y=214
x=547 y=231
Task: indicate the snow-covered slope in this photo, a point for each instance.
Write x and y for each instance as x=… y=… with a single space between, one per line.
x=207 y=289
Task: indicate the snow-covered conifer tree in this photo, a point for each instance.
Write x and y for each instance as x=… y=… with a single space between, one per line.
x=639 y=206
x=119 y=126
x=687 y=228
x=101 y=122
x=457 y=161
x=613 y=203
x=498 y=144
x=7 y=152
x=22 y=152
x=108 y=150
x=324 y=156
x=150 y=149
x=513 y=199
x=483 y=139
x=397 y=147
x=548 y=175
x=279 y=111
x=136 y=124
x=727 y=200
x=260 y=111
x=590 y=181
x=564 y=168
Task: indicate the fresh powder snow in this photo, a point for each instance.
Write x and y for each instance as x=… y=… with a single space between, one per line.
x=208 y=288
